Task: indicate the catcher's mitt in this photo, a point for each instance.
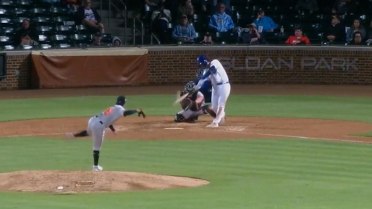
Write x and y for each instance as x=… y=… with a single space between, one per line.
x=141 y=113
x=187 y=103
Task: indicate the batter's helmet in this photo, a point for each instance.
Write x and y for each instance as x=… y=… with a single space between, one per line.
x=121 y=100
x=202 y=60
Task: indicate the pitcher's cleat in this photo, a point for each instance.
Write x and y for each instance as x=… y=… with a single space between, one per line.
x=97 y=168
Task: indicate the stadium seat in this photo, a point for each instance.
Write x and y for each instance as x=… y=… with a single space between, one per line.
x=7 y=30
x=44 y=29
x=6 y=42
x=24 y=3
x=6 y=3
x=64 y=29
x=58 y=10
x=20 y=11
x=41 y=20
x=60 y=40
x=80 y=40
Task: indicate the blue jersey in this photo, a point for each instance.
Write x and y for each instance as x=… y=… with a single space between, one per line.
x=206 y=88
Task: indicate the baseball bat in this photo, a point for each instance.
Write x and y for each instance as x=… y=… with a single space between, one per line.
x=180 y=98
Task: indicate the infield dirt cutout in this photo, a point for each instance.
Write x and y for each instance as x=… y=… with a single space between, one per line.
x=160 y=128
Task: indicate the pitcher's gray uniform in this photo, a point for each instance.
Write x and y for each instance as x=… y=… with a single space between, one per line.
x=97 y=126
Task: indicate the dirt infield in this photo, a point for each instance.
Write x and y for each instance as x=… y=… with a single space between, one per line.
x=159 y=128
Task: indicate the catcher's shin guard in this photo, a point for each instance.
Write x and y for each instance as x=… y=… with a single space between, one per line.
x=179 y=118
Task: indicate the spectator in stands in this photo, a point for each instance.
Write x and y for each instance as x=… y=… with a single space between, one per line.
x=207 y=39
x=152 y=5
x=186 y=8
x=161 y=20
x=341 y=6
x=251 y=36
x=149 y=6
x=50 y=1
x=264 y=23
x=89 y=17
x=357 y=39
x=211 y=6
x=335 y=31
x=369 y=37
x=72 y=4
x=356 y=26
x=222 y=24
x=298 y=38
x=350 y=7
x=198 y=6
x=26 y=34
x=116 y=41
x=309 y=6
x=184 y=32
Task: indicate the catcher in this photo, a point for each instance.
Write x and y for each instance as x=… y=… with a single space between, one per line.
x=193 y=105
x=97 y=126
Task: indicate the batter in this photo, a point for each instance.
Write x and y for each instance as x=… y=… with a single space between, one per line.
x=220 y=87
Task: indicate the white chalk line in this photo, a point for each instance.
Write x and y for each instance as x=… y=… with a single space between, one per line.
x=25 y=135
x=313 y=138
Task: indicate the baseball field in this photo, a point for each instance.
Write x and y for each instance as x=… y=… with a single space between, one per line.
x=281 y=147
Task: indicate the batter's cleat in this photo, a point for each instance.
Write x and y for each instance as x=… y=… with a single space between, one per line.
x=212 y=125
x=97 y=168
x=222 y=121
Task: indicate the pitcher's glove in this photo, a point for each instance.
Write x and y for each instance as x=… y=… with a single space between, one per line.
x=141 y=113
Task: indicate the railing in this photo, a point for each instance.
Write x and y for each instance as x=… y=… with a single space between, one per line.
x=112 y=4
x=154 y=38
x=135 y=20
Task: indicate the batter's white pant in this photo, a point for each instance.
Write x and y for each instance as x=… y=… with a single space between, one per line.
x=97 y=131
x=220 y=94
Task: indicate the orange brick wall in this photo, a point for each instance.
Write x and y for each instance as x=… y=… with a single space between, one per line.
x=18 y=71
x=245 y=65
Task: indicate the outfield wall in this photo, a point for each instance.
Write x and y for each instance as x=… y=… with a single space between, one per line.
x=244 y=64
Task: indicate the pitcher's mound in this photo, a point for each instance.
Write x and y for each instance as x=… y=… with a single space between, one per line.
x=69 y=182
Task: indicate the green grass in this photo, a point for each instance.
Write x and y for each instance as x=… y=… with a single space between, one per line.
x=253 y=174
x=283 y=174
x=324 y=107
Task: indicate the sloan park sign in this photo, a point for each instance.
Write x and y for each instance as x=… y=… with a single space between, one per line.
x=289 y=63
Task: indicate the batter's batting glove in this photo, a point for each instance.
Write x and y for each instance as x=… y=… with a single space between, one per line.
x=140 y=113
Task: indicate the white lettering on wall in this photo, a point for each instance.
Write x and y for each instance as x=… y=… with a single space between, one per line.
x=251 y=63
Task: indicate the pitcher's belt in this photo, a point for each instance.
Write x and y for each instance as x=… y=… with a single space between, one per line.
x=99 y=121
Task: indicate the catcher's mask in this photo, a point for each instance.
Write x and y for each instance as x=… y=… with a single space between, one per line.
x=189 y=87
x=201 y=71
x=202 y=60
x=121 y=100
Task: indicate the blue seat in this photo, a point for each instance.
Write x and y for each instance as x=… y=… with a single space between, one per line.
x=6 y=3
x=79 y=39
x=64 y=29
